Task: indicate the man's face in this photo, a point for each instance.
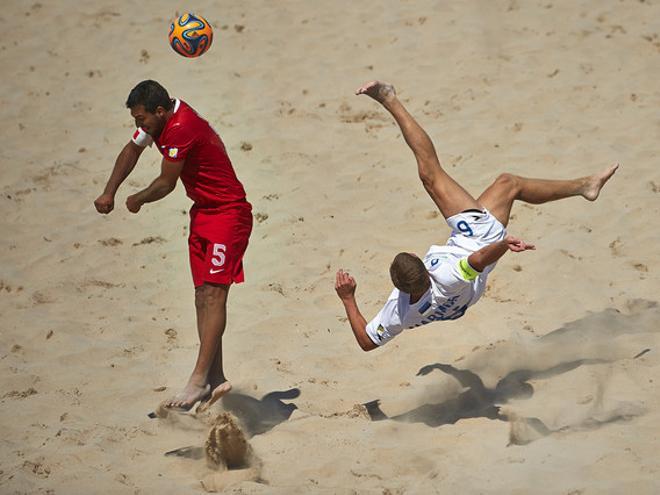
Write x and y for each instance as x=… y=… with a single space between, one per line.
x=152 y=123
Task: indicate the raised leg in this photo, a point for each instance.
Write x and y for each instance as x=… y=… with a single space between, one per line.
x=447 y=194
x=498 y=198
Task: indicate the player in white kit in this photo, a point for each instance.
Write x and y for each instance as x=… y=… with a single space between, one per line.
x=450 y=278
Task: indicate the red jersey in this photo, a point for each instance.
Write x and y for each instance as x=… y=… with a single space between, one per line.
x=207 y=173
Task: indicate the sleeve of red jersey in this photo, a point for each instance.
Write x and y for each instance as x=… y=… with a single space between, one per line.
x=180 y=140
x=141 y=138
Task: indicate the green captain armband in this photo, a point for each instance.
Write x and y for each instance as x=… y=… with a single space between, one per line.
x=467 y=272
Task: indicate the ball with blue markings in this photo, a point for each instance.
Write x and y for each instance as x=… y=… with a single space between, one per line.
x=190 y=35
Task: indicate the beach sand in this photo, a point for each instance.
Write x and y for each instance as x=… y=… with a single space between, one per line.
x=551 y=384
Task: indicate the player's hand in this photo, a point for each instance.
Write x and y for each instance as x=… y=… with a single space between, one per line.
x=105 y=203
x=517 y=245
x=345 y=285
x=133 y=203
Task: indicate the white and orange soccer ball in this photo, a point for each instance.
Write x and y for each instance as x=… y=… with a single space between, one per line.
x=190 y=35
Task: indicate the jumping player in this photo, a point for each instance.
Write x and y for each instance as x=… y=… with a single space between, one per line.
x=450 y=278
x=220 y=218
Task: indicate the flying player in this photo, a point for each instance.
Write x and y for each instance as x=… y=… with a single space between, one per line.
x=450 y=278
x=220 y=218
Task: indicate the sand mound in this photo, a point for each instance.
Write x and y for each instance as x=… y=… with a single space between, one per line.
x=228 y=451
x=226 y=445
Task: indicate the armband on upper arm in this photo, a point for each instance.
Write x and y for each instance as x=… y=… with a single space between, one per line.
x=141 y=138
x=467 y=272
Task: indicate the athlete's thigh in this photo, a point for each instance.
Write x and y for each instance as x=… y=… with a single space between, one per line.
x=498 y=198
x=448 y=195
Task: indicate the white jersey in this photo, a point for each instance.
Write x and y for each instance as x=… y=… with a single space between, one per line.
x=455 y=285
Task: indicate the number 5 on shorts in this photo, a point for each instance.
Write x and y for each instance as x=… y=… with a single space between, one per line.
x=218 y=254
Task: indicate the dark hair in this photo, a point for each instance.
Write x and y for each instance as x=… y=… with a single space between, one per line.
x=150 y=94
x=408 y=273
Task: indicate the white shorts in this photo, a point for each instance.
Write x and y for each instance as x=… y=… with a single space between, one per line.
x=474 y=229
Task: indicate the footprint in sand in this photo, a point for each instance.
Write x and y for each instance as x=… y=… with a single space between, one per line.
x=150 y=240
x=20 y=394
x=111 y=241
x=38 y=467
x=260 y=217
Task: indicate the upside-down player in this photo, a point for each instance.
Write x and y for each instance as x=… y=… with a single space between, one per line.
x=450 y=278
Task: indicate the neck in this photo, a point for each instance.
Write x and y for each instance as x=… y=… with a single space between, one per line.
x=416 y=296
x=170 y=112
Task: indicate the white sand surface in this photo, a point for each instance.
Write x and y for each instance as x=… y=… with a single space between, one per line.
x=97 y=317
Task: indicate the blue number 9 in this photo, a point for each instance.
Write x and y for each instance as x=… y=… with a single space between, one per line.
x=465 y=228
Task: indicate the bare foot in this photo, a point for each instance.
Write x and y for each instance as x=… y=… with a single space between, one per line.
x=189 y=396
x=380 y=91
x=594 y=183
x=217 y=393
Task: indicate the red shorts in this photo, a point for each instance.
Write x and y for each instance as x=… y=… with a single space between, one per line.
x=217 y=241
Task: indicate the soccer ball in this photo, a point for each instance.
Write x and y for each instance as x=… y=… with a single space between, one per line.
x=190 y=35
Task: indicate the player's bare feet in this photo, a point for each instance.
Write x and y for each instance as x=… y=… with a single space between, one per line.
x=189 y=396
x=594 y=183
x=380 y=91
x=217 y=393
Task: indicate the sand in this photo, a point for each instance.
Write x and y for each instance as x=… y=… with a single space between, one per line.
x=551 y=384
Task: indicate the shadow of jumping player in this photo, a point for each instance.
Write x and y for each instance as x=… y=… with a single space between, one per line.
x=260 y=415
x=477 y=401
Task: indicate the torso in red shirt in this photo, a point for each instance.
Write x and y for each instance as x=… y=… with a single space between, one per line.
x=207 y=174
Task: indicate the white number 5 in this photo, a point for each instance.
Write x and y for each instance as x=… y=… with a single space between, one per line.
x=218 y=254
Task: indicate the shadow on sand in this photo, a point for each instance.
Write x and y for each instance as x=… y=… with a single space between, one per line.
x=261 y=415
x=478 y=401
x=591 y=336
x=256 y=416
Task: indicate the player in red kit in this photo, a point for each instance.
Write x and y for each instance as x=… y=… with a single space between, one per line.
x=220 y=219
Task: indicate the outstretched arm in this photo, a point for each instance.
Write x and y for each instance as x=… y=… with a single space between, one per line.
x=345 y=286
x=159 y=188
x=124 y=165
x=488 y=255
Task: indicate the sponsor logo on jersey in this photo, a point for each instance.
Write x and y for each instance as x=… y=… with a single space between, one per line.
x=173 y=152
x=425 y=307
x=446 y=311
x=380 y=331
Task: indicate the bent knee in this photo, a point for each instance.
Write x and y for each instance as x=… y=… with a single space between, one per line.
x=507 y=179
x=508 y=182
